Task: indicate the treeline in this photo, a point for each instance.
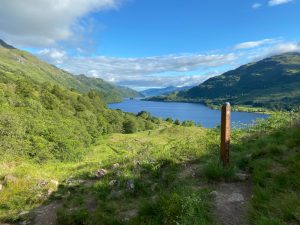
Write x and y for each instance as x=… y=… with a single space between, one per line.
x=50 y=122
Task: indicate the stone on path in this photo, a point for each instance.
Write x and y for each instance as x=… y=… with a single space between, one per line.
x=9 y=179
x=130 y=184
x=100 y=173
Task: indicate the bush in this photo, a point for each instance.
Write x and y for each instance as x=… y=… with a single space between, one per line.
x=130 y=126
x=188 y=123
x=177 y=122
x=169 y=120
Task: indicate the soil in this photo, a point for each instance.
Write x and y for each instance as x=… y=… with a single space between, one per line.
x=231 y=201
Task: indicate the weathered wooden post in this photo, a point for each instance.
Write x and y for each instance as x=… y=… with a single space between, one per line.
x=225 y=133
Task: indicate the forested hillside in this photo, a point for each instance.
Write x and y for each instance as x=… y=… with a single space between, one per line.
x=21 y=64
x=42 y=118
x=272 y=83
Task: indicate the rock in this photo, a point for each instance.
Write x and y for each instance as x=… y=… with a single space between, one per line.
x=54 y=182
x=9 y=179
x=236 y=197
x=130 y=184
x=50 y=191
x=242 y=176
x=127 y=215
x=23 y=213
x=137 y=163
x=72 y=184
x=100 y=173
x=42 y=183
x=214 y=193
x=116 y=194
x=112 y=183
x=1 y=187
x=115 y=166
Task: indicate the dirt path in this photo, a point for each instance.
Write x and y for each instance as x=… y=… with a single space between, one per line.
x=46 y=214
x=231 y=200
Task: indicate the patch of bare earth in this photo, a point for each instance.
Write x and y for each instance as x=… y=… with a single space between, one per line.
x=129 y=214
x=231 y=200
x=46 y=214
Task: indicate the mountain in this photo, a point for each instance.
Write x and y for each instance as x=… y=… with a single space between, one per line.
x=24 y=64
x=272 y=83
x=163 y=91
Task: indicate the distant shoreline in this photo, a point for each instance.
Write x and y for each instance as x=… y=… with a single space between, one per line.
x=235 y=108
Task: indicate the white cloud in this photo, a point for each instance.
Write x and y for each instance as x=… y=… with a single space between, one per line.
x=253 y=44
x=44 y=22
x=53 y=55
x=278 y=2
x=256 y=5
x=147 y=71
x=162 y=71
x=283 y=48
x=267 y=51
x=142 y=83
x=136 y=66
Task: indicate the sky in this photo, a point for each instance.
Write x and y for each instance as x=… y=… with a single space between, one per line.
x=151 y=43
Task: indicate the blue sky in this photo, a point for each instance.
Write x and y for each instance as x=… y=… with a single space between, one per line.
x=151 y=43
x=158 y=27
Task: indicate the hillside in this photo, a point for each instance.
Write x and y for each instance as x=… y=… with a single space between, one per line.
x=67 y=159
x=163 y=91
x=23 y=64
x=272 y=83
x=171 y=174
x=43 y=118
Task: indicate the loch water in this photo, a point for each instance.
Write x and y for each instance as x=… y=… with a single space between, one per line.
x=198 y=113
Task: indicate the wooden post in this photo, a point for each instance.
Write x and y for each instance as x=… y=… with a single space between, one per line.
x=225 y=133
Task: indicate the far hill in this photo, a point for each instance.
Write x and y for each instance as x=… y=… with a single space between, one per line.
x=20 y=63
x=163 y=91
x=272 y=83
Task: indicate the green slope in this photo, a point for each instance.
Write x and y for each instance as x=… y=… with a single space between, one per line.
x=43 y=118
x=19 y=63
x=271 y=83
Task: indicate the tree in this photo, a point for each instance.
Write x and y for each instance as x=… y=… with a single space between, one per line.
x=188 y=123
x=130 y=126
x=169 y=120
x=145 y=115
x=177 y=122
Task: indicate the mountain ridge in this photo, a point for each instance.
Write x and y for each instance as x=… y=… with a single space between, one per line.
x=27 y=65
x=163 y=91
x=270 y=83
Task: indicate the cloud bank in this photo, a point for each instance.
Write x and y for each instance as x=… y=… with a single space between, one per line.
x=154 y=71
x=160 y=71
x=44 y=22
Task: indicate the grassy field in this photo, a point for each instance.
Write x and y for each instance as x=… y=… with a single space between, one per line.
x=164 y=176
